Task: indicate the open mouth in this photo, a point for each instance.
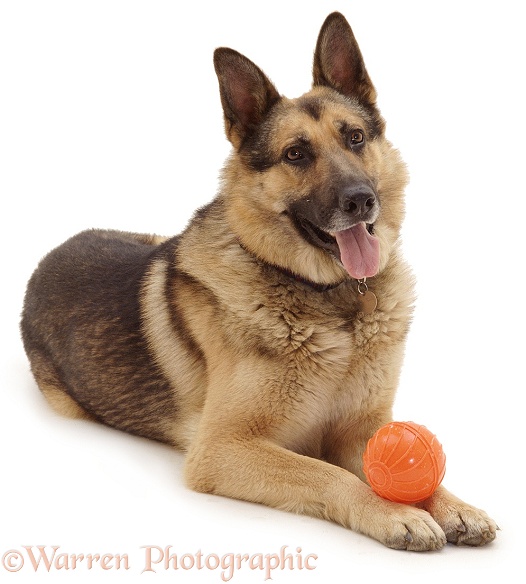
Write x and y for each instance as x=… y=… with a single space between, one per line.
x=320 y=238
x=317 y=236
x=356 y=247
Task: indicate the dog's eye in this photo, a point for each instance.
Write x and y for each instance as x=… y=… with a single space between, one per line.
x=356 y=137
x=293 y=154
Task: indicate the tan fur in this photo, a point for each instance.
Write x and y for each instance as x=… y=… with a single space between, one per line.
x=63 y=404
x=243 y=341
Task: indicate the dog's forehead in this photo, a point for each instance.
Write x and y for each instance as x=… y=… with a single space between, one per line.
x=320 y=111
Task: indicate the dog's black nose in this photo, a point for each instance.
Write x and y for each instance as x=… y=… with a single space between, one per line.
x=357 y=201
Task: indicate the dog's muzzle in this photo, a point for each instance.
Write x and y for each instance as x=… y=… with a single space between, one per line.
x=344 y=228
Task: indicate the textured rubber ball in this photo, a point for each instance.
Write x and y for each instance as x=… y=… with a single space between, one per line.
x=404 y=462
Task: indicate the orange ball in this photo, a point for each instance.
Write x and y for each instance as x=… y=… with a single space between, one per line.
x=404 y=462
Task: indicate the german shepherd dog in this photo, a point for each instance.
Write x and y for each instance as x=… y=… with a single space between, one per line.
x=265 y=340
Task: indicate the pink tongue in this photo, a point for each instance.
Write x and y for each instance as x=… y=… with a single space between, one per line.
x=359 y=251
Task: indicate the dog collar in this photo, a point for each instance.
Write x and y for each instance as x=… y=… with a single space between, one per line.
x=314 y=285
x=367 y=298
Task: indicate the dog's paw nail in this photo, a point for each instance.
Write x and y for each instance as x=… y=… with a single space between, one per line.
x=461 y=528
x=408 y=537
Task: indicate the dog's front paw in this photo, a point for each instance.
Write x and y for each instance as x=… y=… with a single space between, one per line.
x=462 y=523
x=403 y=527
x=414 y=533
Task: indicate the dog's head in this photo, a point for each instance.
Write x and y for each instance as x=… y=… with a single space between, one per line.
x=313 y=185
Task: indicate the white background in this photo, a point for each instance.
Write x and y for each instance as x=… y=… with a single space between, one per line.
x=110 y=117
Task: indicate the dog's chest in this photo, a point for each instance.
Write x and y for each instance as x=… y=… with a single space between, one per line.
x=343 y=362
x=317 y=330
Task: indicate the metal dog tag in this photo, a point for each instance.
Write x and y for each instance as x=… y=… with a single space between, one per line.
x=368 y=302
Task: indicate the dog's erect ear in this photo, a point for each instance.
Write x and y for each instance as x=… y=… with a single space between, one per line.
x=338 y=62
x=246 y=93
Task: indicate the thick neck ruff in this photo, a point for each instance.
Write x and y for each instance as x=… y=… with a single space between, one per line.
x=316 y=286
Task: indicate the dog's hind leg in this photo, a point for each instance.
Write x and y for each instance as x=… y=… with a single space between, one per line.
x=48 y=380
x=63 y=404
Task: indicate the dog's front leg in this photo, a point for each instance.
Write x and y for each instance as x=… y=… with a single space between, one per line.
x=236 y=453
x=254 y=469
x=462 y=523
